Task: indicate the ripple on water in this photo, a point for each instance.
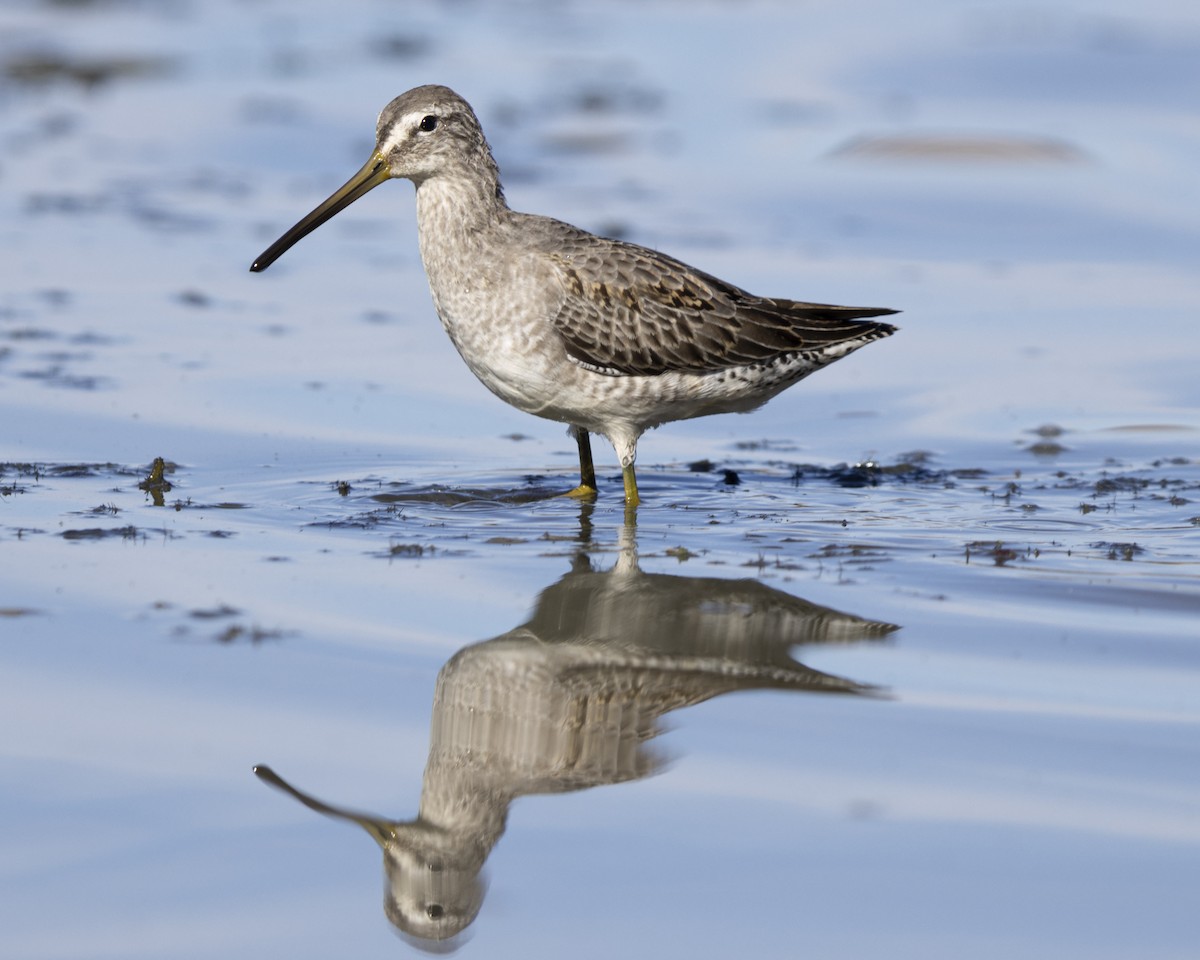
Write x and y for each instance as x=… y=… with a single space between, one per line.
x=1041 y=525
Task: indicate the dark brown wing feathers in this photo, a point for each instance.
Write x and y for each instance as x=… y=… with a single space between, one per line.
x=630 y=310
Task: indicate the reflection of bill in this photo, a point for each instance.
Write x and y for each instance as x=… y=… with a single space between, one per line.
x=568 y=701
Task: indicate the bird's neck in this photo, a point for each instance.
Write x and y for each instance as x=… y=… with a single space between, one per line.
x=453 y=209
x=457 y=223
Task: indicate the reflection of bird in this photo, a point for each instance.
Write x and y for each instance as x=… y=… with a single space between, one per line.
x=606 y=336
x=567 y=701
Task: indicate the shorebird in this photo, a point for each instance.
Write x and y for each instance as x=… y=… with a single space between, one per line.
x=572 y=699
x=606 y=336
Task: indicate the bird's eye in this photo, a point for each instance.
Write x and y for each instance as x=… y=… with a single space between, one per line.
x=428 y=124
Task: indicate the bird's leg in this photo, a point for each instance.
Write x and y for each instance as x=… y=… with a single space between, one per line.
x=587 y=469
x=631 y=492
x=631 y=496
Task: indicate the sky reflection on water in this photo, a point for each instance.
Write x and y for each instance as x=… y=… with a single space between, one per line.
x=1027 y=786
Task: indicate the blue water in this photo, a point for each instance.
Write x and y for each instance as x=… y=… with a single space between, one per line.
x=1015 y=771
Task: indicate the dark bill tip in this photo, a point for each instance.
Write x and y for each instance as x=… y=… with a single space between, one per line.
x=374 y=172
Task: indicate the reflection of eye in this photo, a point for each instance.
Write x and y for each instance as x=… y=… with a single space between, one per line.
x=435 y=911
x=428 y=124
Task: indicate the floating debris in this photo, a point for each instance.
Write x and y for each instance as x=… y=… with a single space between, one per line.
x=156 y=483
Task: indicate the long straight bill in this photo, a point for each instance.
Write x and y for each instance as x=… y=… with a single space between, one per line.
x=377 y=827
x=374 y=172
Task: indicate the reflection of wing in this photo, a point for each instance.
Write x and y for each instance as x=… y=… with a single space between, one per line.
x=632 y=310
x=657 y=616
x=569 y=699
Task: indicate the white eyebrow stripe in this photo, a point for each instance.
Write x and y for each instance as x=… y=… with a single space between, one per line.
x=399 y=130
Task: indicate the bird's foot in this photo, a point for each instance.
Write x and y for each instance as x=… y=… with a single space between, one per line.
x=582 y=492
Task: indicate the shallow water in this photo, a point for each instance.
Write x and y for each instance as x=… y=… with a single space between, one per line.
x=983 y=533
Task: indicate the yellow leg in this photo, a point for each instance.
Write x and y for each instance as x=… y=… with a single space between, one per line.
x=631 y=496
x=631 y=492
x=587 y=469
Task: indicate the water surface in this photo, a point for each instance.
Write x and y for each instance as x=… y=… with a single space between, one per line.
x=904 y=663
